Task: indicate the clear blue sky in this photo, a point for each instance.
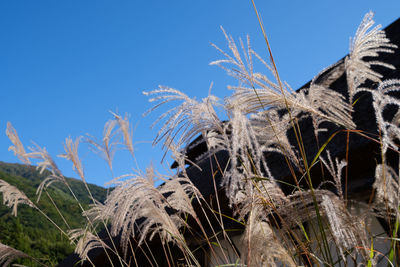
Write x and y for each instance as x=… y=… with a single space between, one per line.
x=65 y=64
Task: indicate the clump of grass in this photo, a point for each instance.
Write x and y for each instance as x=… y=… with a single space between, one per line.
x=309 y=225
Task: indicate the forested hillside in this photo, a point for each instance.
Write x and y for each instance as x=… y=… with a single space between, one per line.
x=31 y=232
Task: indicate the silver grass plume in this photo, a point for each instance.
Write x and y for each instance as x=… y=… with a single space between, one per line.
x=12 y=197
x=180 y=157
x=335 y=169
x=185 y=121
x=136 y=197
x=215 y=140
x=71 y=149
x=330 y=204
x=346 y=230
x=9 y=254
x=246 y=97
x=249 y=182
x=256 y=92
x=107 y=146
x=381 y=98
x=85 y=241
x=271 y=130
x=366 y=43
x=96 y=213
x=267 y=195
x=329 y=75
x=243 y=70
x=17 y=148
x=263 y=246
x=46 y=162
x=300 y=201
x=387 y=188
x=38 y=153
x=179 y=192
x=246 y=158
x=321 y=103
x=126 y=130
x=324 y=104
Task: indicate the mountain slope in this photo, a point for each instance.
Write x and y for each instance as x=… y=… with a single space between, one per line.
x=31 y=232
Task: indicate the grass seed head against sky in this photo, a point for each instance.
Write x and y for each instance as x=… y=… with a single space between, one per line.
x=65 y=64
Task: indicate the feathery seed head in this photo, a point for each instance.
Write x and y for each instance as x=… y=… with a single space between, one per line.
x=86 y=241
x=366 y=43
x=9 y=254
x=12 y=197
x=17 y=148
x=71 y=149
